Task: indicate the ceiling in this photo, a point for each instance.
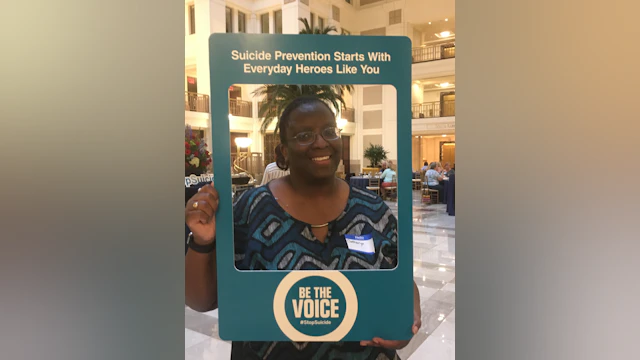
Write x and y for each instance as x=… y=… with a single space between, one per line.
x=430 y=84
x=436 y=26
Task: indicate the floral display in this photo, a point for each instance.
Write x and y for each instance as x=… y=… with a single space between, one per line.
x=196 y=156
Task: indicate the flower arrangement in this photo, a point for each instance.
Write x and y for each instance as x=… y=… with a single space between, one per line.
x=196 y=156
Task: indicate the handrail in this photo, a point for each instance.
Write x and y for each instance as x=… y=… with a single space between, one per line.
x=434 y=109
x=196 y=102
x=438 y=51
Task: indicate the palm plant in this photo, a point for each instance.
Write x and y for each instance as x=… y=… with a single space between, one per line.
x=315 y=31
x=277 y=97
x=375 y=154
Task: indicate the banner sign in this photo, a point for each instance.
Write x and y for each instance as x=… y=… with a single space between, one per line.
x=197 y=179
x=348 y=305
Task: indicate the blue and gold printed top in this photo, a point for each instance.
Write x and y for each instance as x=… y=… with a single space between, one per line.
x=269 y=238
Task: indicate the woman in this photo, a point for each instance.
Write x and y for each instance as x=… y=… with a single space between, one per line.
x=388 y=176
x=433 y=179
x=318 y=209
x=446 y=169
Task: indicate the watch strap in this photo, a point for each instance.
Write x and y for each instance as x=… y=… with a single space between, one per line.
x=203 y=249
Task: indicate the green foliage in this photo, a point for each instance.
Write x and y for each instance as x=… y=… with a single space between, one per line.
x=275 y=98
x=375 y=154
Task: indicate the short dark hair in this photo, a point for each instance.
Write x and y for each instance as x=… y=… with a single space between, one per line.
x=284 y=121
x=285 y=118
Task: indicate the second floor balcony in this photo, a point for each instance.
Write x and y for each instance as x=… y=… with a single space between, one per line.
x=240 y=108
x=196 y=102
x=434 y=109
x=432 y=52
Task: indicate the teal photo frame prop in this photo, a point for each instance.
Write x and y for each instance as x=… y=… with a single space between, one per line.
x=359 y=304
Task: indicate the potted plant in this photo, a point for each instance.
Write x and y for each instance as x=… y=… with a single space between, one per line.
x=196 y=156
x=375 y=154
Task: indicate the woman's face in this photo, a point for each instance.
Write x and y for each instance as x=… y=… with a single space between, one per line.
x=320 y=158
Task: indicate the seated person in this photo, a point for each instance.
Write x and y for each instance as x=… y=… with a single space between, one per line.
x=433 y=179
x=387 y=176
x=425 y=167
x=446 y=169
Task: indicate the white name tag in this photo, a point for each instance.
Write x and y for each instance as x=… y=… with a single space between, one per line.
x=361 y=243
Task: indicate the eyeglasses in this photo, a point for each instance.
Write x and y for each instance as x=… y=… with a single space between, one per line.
x=309 y=137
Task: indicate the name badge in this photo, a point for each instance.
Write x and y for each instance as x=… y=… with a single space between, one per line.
x=360 y=243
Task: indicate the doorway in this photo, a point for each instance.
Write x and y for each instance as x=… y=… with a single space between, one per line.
x=448 y=152
x=448 y=104
x=192 y=90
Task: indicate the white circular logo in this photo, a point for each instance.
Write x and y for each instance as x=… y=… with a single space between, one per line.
x=322 y=307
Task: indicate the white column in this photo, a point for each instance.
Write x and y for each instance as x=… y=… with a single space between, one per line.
x=417 y=93
x=272 y=23
x=390 y=122
x=253 y=26
x=234 y=17
x=210 y=18
x=356 y=142
x=291 y=12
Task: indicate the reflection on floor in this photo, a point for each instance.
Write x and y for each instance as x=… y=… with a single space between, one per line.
x=434 y=273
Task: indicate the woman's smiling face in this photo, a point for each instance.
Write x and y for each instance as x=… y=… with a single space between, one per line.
x=314 y=146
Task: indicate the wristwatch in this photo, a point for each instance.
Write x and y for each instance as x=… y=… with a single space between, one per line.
x=203 y=249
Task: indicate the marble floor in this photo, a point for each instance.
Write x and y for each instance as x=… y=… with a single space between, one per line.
x=433 y=271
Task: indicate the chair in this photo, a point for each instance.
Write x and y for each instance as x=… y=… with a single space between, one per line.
x=391 y=190
x=374 y=185
x=428 y=195
x=417 y=182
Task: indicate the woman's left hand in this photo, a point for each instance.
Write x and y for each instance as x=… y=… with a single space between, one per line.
x=399 y=344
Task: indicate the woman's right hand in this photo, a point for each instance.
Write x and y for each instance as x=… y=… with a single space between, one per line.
x=201 y=217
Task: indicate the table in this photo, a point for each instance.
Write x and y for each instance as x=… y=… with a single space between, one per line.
x=450 y=190
x=359 y=182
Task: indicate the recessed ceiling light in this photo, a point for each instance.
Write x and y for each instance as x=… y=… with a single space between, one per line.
x=429 y=22
x=446 y=19
x=444 y=34
x=444 y=135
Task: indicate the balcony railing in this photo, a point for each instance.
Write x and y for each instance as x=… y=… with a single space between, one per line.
x=349 y=114
x=240 y=108
x=433 y=52
x=196 y=102
x=434 y=109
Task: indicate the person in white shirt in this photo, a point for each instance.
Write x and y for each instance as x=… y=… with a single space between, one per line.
x=271 y=172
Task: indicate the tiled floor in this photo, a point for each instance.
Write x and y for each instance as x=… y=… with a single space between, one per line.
x=434 y=273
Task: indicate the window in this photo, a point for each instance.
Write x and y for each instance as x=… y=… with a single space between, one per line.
x=229 y=20
x=264 y=23
x=335 y=13
x=192 y=19
x=320 y=23
x=277 y=15
x=312 y=21
x=395 y=17
x=242 y=22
